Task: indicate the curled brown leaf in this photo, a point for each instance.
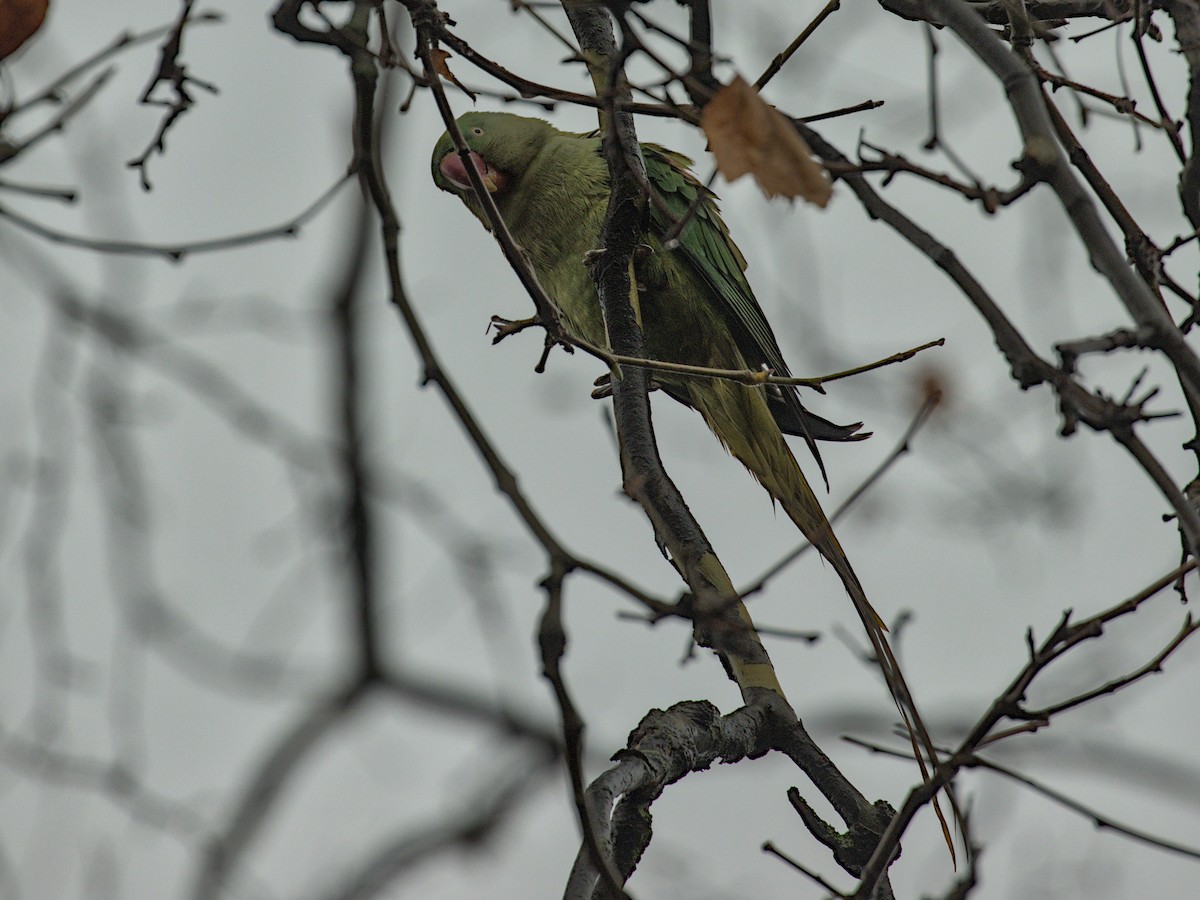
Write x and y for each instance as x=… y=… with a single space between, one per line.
x=443 y=69
x=746 y=134
x=19 y=21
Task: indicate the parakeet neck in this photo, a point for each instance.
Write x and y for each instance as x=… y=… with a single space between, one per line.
x=557 y=205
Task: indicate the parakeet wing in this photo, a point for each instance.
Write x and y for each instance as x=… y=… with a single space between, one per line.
x=706 y=246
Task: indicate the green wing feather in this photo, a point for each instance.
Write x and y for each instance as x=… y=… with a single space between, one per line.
x=706 y=246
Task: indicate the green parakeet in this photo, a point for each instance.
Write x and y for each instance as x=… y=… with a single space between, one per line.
x=695 y=305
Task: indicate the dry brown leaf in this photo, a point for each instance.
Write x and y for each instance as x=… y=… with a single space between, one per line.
x=19 y=21
x=439 y=64
x=746 y=134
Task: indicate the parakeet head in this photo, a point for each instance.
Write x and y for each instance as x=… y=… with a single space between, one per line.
x=502 y=147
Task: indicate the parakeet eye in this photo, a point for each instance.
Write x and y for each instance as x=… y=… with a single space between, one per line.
x=477 y=131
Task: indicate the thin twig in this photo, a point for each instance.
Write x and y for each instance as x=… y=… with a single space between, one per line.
x=176 y=252
x=903 y=446
x=781 y=58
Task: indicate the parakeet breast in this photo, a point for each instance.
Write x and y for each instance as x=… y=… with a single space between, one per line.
x=555 y=211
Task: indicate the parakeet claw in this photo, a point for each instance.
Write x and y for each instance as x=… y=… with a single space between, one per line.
x=649 y=269
x=603 y=387
x=761 y=376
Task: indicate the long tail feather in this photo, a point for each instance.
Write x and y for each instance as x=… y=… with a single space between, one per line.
x=741 y=418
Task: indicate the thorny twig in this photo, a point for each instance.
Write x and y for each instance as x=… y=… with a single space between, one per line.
x=171 y=71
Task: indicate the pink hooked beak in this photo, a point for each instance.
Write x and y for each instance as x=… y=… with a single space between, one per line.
x=456 y=173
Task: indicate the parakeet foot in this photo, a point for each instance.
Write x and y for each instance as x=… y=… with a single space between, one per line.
x=602 y=389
